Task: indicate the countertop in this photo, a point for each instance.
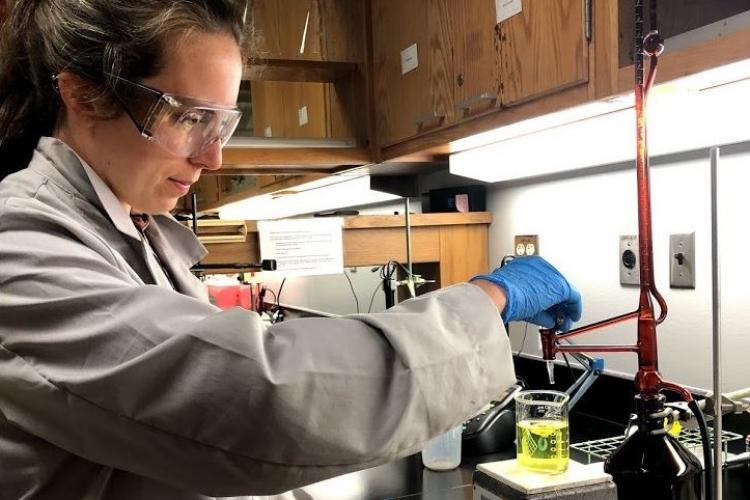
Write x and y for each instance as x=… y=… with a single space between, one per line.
x=408 y=479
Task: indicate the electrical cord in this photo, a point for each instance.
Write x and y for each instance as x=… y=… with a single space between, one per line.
x=278 y=294
x=570 y=368
x=707 y=458
x=275 y=305
x=386 y=271
x=268 y=290
x=372 y=297
x=351 y=285
x=523 y=342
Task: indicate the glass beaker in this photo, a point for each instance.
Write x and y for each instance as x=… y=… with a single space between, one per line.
x=542 y=443
x=444 y=451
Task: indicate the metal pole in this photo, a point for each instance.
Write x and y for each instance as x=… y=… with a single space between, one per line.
x=194 y=211
x=716 y=312
x=408 y=235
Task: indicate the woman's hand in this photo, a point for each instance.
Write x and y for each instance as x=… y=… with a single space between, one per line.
x=533 y=290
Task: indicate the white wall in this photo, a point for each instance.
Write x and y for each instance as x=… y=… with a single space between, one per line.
x=579 y=219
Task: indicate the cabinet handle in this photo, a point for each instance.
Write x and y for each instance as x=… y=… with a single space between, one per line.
x=433 y=117
x=587 y=29
x=466 y=105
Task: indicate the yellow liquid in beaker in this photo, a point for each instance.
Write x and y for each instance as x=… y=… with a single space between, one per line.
x=542 y=445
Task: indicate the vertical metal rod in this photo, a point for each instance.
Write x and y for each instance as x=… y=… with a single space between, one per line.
x=716 y=313
x=408 y=235
x=194 y=211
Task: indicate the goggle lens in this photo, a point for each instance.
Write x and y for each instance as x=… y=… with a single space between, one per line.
x=188 y=132
x=183 y=126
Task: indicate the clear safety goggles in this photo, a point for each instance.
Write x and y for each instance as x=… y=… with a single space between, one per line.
x=183 y=126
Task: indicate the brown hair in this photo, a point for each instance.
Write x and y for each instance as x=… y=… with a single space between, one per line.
x=95 y=39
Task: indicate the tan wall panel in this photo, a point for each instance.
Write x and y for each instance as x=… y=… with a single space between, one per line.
x=373 y=247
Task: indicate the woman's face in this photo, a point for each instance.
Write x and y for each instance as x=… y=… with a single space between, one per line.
x=140 y=172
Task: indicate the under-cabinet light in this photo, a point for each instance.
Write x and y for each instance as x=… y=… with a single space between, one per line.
x=329 y=193
x=703 y=110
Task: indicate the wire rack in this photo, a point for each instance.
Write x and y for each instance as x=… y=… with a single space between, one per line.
x=603 y=448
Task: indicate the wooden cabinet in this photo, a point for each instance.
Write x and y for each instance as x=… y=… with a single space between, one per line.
x=305 y=78
x=476 y=67
x=699 y=35
x=292 y=110
x=467 y=63
x=543 y=50
x=287 y=29
x=675 y=17
x=413 y=101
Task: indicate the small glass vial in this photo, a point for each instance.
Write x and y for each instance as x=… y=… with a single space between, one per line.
x=444 y=451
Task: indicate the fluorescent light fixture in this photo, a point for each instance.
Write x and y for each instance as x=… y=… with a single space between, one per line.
x=330 y=193
x=703 y=110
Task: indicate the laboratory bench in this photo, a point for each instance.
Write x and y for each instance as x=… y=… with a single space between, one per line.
x=601 y=413
x=408 y=479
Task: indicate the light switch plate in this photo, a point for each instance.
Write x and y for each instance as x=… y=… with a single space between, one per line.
x=682 y=260
x=630 y=269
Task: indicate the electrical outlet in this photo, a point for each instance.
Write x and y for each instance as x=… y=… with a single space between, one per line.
x=630 y=269
x=682 y=261
x=527 y=244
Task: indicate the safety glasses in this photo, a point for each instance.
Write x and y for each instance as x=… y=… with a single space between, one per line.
x=183 y=126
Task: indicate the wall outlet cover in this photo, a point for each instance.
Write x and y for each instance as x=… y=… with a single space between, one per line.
x=629 y=264
x=526 y=244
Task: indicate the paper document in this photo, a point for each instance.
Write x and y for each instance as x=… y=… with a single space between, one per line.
x=303 y=247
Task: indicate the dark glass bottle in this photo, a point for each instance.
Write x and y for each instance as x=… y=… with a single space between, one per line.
x=651 y=464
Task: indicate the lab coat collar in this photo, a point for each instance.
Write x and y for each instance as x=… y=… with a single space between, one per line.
x=114 y=207
x=83 y=179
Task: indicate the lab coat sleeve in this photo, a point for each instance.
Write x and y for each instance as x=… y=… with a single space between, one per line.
x=144 y=379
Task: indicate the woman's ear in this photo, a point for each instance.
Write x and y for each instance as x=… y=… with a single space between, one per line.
x=78 y=97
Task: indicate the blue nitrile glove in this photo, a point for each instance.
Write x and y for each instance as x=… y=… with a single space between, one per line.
x=536 y=292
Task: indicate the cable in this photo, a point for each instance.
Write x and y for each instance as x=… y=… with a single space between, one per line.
x=278 y=294
x=570 y=368
x=351 y=285
x=372 y=298
x=268 y=290
x=523 y=342
x=386 y=271
x=707 y=458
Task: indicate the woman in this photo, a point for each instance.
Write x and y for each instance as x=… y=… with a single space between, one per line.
x=117 y=378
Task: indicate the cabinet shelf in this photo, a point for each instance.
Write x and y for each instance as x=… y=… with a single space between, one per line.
x=297 y=70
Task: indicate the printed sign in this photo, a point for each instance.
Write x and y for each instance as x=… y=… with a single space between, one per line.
x=409 y=59
x=303 y=247
x=507 y=8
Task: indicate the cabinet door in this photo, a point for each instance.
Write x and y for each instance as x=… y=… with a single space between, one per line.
x=476 y=63
x=543 y=49
x=268 y=109
x=305 y=110
x=421 y=99
x=287 y=29
x=290 y=110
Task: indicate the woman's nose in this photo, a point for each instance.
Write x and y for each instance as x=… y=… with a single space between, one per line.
x=210 y=158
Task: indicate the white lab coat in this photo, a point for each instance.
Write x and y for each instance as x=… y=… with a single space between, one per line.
x=112 y=387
